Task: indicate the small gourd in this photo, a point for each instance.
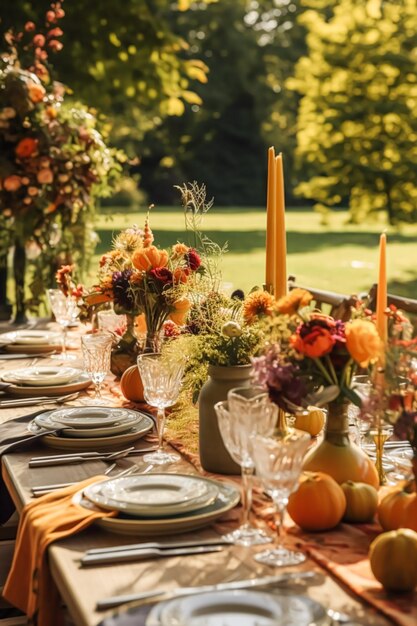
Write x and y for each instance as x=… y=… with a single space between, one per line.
x=131 y=385
x=311 y=420
x=361 y=502
x=391 y=509
x=319 y=502
x=393 y=559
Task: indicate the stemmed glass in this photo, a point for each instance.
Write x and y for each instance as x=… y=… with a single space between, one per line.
x=161 y=377
x=248 y=411
x=278 y=464
x=66 y=312
x=96 y=354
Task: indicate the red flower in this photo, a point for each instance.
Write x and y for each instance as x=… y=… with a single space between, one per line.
x=162 y=275
x=315 y=343
x=26 y=147
x=193 y=259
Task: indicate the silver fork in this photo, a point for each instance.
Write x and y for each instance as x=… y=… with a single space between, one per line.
x=130 y=471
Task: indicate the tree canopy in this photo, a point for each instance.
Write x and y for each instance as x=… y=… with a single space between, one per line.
x=357 y=120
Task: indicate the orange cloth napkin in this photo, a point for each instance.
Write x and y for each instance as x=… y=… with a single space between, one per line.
x=29 y=585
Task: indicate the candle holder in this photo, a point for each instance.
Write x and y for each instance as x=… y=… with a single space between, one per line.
x=379 y=437
x=281 y=428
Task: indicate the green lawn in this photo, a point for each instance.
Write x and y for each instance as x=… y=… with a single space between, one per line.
x=339 y=257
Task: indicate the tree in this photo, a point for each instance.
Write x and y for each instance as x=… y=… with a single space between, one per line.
x=123 y=58
x=250 y=49
x=357 y=120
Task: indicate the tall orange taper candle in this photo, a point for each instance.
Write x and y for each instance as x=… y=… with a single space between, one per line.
x=280 y=284
x=381 y=301
x=270 y=222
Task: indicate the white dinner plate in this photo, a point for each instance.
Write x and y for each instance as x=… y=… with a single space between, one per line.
x=91 y=416
x=30 y=337
x=29 y=391
x=99 y=444
x=153 y=495
x=238 y=608
x=42 y=376
x=227 y=498
x=48 y=421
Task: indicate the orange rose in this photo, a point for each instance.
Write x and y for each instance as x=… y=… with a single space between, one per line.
x=363 y=342
x=296 y=299
x=149 y=258
x=26 y=147
x=12 y=183
x=180 y=275
x=45 y=176
x=314 y=344
x=178 y=250
x=36 y=92
x=180 y=312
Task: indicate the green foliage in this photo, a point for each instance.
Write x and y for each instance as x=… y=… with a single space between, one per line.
x=357 y=120
x=125 y=59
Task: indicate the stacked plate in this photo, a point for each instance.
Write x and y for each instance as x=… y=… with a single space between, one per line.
x=91 y=427
x=46 y=381
x=31 y=341
x=238 y=608
x=159 y=504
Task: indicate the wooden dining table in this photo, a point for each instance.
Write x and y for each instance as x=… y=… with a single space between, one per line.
x=82 y=587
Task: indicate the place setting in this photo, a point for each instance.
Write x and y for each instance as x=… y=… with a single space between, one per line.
x=48 y=381
x=157 y=504
x=30 y=342
x=86 y=428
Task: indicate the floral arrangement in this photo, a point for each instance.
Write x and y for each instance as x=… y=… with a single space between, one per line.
x=54 y=160
x=221 y=331
x=398 y=402
x=311 y=357
x=141 y=279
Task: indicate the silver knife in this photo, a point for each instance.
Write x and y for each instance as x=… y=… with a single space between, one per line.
x=130 y=552
x=161 y=595
x=139 y=555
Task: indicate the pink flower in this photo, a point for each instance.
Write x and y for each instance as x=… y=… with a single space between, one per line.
x=30 y=27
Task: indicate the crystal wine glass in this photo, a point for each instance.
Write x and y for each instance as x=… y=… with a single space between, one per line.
x=161 y=378
x=278 y=464
x=96 y=354
x=66 y=312
x=248 y=411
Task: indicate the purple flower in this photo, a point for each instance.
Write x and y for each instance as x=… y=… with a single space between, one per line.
x=123 y=296
x=285 y=386
x=405 y=428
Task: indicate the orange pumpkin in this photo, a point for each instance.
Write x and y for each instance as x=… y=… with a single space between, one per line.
x=311 y=421
x=361 y=502
x=410 y=513
x=319 y=502
x=147 y=258
x=392 y=508
x=131 y=385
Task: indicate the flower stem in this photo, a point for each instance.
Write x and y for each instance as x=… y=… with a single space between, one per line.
x=324 y=371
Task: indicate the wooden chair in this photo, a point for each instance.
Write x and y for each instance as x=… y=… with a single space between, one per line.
x=338 y=305
x=408 y=305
